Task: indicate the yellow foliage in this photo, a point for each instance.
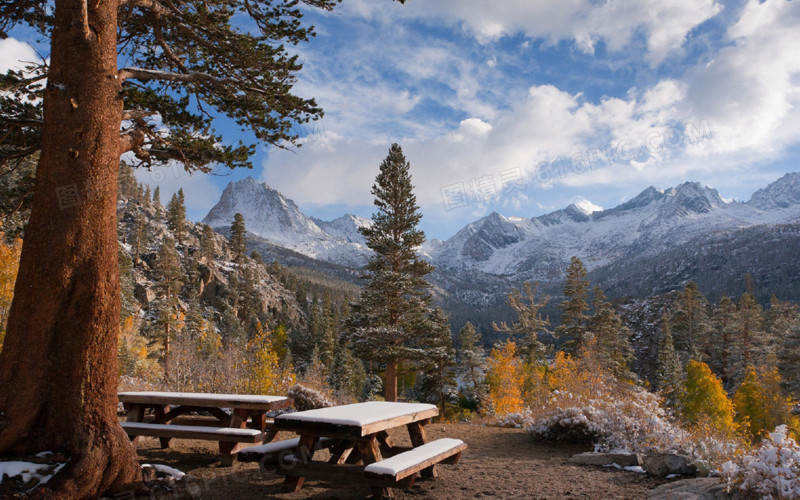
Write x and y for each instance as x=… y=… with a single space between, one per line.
x=581 y=376
x=704 y=402
x=505 y=376
x=9 y=265
x=760 y=405
x=266 y=374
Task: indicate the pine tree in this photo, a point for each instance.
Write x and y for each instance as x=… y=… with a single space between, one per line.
x=392 y=312
x=238 y=237
x=722 y=344
x=751 y=343
x=471 y=362
x=783 y=326
x=529 y=325
x=669 y=374
x=176 y=215
x=690 y=323
x=438 y=383
x=612 y=337
x=574 y=308
x=208 y=249
x=168 y=268
x=347 y=377
x=157 y=199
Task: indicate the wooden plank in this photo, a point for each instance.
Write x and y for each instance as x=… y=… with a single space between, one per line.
x=180 y=432
x=451 y=455
x=253 y=402
x=418 y=436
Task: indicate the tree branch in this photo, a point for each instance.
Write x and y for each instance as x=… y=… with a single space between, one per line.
x=145 y=75
x=150 y=5
x=136 y=114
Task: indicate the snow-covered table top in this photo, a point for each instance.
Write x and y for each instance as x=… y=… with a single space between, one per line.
x=360 y=419
x=201 y=399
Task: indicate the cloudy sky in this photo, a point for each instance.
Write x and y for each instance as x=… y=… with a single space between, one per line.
x=523 y=107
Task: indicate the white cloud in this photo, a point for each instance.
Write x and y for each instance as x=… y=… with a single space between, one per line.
x=15 y=54
x=665 y=23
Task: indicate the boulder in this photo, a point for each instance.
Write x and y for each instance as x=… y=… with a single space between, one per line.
x=705 y=488
x=664 y=465
x=603 y=459
x=143 y=293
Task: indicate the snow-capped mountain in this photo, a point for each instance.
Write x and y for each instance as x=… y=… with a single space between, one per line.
x=648 y=224
x=270 y=215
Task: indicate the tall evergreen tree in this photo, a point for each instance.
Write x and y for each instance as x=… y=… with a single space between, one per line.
x=669 y=373
x=438 y=381
x=169 y=271
x=208 y=250
x=574 y=308
x=529 y=325
x=751 y=343
x=722 y=344
x=238 y=238
x=690 y=322
x=176 y=215
x=347 y=377
x=783 y=325
x=471 y=362
x=392 y=312
x=612 y=337
x=157 y=199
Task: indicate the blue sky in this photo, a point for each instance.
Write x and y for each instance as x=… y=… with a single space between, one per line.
x=523 y=107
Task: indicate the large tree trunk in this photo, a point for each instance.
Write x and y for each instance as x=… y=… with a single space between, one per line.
x=58 y=367
x=390 y=391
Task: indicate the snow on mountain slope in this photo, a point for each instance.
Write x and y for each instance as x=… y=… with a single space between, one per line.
x=272 y=216
x=650 y=223
x=345 y=228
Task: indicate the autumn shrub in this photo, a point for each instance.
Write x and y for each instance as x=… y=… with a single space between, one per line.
x=760 y=405
x=505 y=377
x=9 y=265
x=704 y=402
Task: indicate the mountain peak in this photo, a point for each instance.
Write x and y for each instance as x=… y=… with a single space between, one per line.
x=782 y=193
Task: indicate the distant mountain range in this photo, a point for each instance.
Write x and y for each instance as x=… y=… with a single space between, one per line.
x=653 y=243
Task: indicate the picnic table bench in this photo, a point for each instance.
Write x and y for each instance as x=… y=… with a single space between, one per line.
x=245 y=424
x=361 y=449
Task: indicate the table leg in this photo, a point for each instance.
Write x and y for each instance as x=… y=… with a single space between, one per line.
x=304 y=453
x=416 y=431
x=341 y=453
x=371 y=453
x=387 y=446
x=228 y=449
x=160 y=412
x=135 y=414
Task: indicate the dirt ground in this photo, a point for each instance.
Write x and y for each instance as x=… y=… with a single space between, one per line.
x=499 y=463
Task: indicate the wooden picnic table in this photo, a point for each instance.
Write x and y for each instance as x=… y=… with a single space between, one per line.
x=229 y=429
x=361 y=435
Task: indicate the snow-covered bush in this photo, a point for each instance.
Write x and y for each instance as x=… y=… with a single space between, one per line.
x=770 y=471
x=308 y=399
x=619 y=418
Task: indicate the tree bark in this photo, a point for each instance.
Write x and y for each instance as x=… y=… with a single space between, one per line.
x=390 y=391
x=58 y=367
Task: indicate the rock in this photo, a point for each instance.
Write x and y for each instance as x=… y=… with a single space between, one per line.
x=664 y=465
x=621 y=459
x=705 y=488
x=143 y=293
